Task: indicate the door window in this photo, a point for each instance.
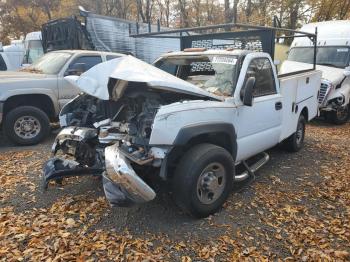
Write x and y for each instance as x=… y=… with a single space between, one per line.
x=3 y=66
x=88 y=61
x=261 y=69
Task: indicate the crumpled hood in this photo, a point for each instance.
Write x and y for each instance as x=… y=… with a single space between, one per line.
x=95 y=81
x=8 y=76
x=333 y=74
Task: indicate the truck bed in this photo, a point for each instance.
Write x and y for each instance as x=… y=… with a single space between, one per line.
x=298 y=91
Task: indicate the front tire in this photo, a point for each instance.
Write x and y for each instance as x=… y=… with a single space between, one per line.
x=340 y=116
x=26 y=125
x=296 y=141
x=203 y=180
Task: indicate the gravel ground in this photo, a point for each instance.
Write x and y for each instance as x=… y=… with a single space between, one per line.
x=297 y=208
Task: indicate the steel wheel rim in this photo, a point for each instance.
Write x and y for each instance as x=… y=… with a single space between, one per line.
x=300 y=133
x=27 y=127
x=342 y=113
x=211 y=183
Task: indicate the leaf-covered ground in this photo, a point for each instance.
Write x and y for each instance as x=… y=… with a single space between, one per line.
x=298 y=208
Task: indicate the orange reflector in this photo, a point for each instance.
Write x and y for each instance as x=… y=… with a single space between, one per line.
x=195 y=49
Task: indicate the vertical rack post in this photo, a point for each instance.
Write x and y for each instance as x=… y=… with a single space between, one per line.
x=315 y=47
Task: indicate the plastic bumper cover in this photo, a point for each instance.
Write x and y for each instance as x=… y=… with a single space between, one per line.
x=57 y=168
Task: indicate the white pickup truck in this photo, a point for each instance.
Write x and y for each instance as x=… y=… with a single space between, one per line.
x=30 y=99
x=221 y=110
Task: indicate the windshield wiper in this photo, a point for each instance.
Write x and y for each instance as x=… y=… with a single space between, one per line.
x=329 y=64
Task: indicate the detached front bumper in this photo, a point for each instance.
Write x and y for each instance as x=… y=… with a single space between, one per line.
x=122 y=186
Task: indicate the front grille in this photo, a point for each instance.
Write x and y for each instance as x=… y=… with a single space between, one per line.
x=323 y=92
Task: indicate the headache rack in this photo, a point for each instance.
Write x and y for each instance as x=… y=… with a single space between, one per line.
x=244 y=36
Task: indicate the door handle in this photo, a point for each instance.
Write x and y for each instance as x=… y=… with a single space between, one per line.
x=278 y=105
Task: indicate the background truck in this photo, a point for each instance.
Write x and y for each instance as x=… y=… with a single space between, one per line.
x=11 y=56
x=33 y=48
x=31 y=98
x=104 y=33
x=332 y=58
x=192 y=119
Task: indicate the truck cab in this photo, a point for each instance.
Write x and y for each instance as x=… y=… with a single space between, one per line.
x=332 y=58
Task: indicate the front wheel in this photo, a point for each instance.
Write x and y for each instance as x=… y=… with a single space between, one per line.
x=296 y=141
x=340 y=116
x=26 y=125
x=203 y=179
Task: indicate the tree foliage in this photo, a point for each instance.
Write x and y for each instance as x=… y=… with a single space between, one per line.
x=18 y=17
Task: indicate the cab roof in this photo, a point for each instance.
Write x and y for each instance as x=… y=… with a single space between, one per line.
x=329 y=33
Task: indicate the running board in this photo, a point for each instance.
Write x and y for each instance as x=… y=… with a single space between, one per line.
x=250 y=170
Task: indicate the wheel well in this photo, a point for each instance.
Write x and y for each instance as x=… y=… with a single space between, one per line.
x=221 y=139
x=218 y=138
x=305 y=113
x=40 y=101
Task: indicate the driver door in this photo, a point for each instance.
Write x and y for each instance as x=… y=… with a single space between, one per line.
x=66 y=90
x=259 y=125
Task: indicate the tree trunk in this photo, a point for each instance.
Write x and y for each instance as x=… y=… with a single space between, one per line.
x=98 y=7
x=235 y=11
x=140 y=10
x=248 y=11
x=228 y=14
x=183 y=13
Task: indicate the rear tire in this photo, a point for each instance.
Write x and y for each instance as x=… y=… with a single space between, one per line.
x=339 y=117
x=203 y=180
x=296 y=141
x=26 y=125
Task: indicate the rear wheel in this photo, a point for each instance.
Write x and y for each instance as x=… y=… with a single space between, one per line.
x=26 y=125
x=296 y=141
x=203 y=180
x=340 y=116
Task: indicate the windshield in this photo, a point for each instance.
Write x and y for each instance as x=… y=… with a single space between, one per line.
x=336 y=56
x=50 y=64
x=213 y=73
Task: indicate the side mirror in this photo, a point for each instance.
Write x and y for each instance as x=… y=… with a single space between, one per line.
x=247 y=92
x=346 y=71
x=76 y=69
x=277 y=62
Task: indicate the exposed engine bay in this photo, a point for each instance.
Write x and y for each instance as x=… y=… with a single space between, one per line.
x=127 y=121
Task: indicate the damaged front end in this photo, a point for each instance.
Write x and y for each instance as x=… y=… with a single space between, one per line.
x=109 y=140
